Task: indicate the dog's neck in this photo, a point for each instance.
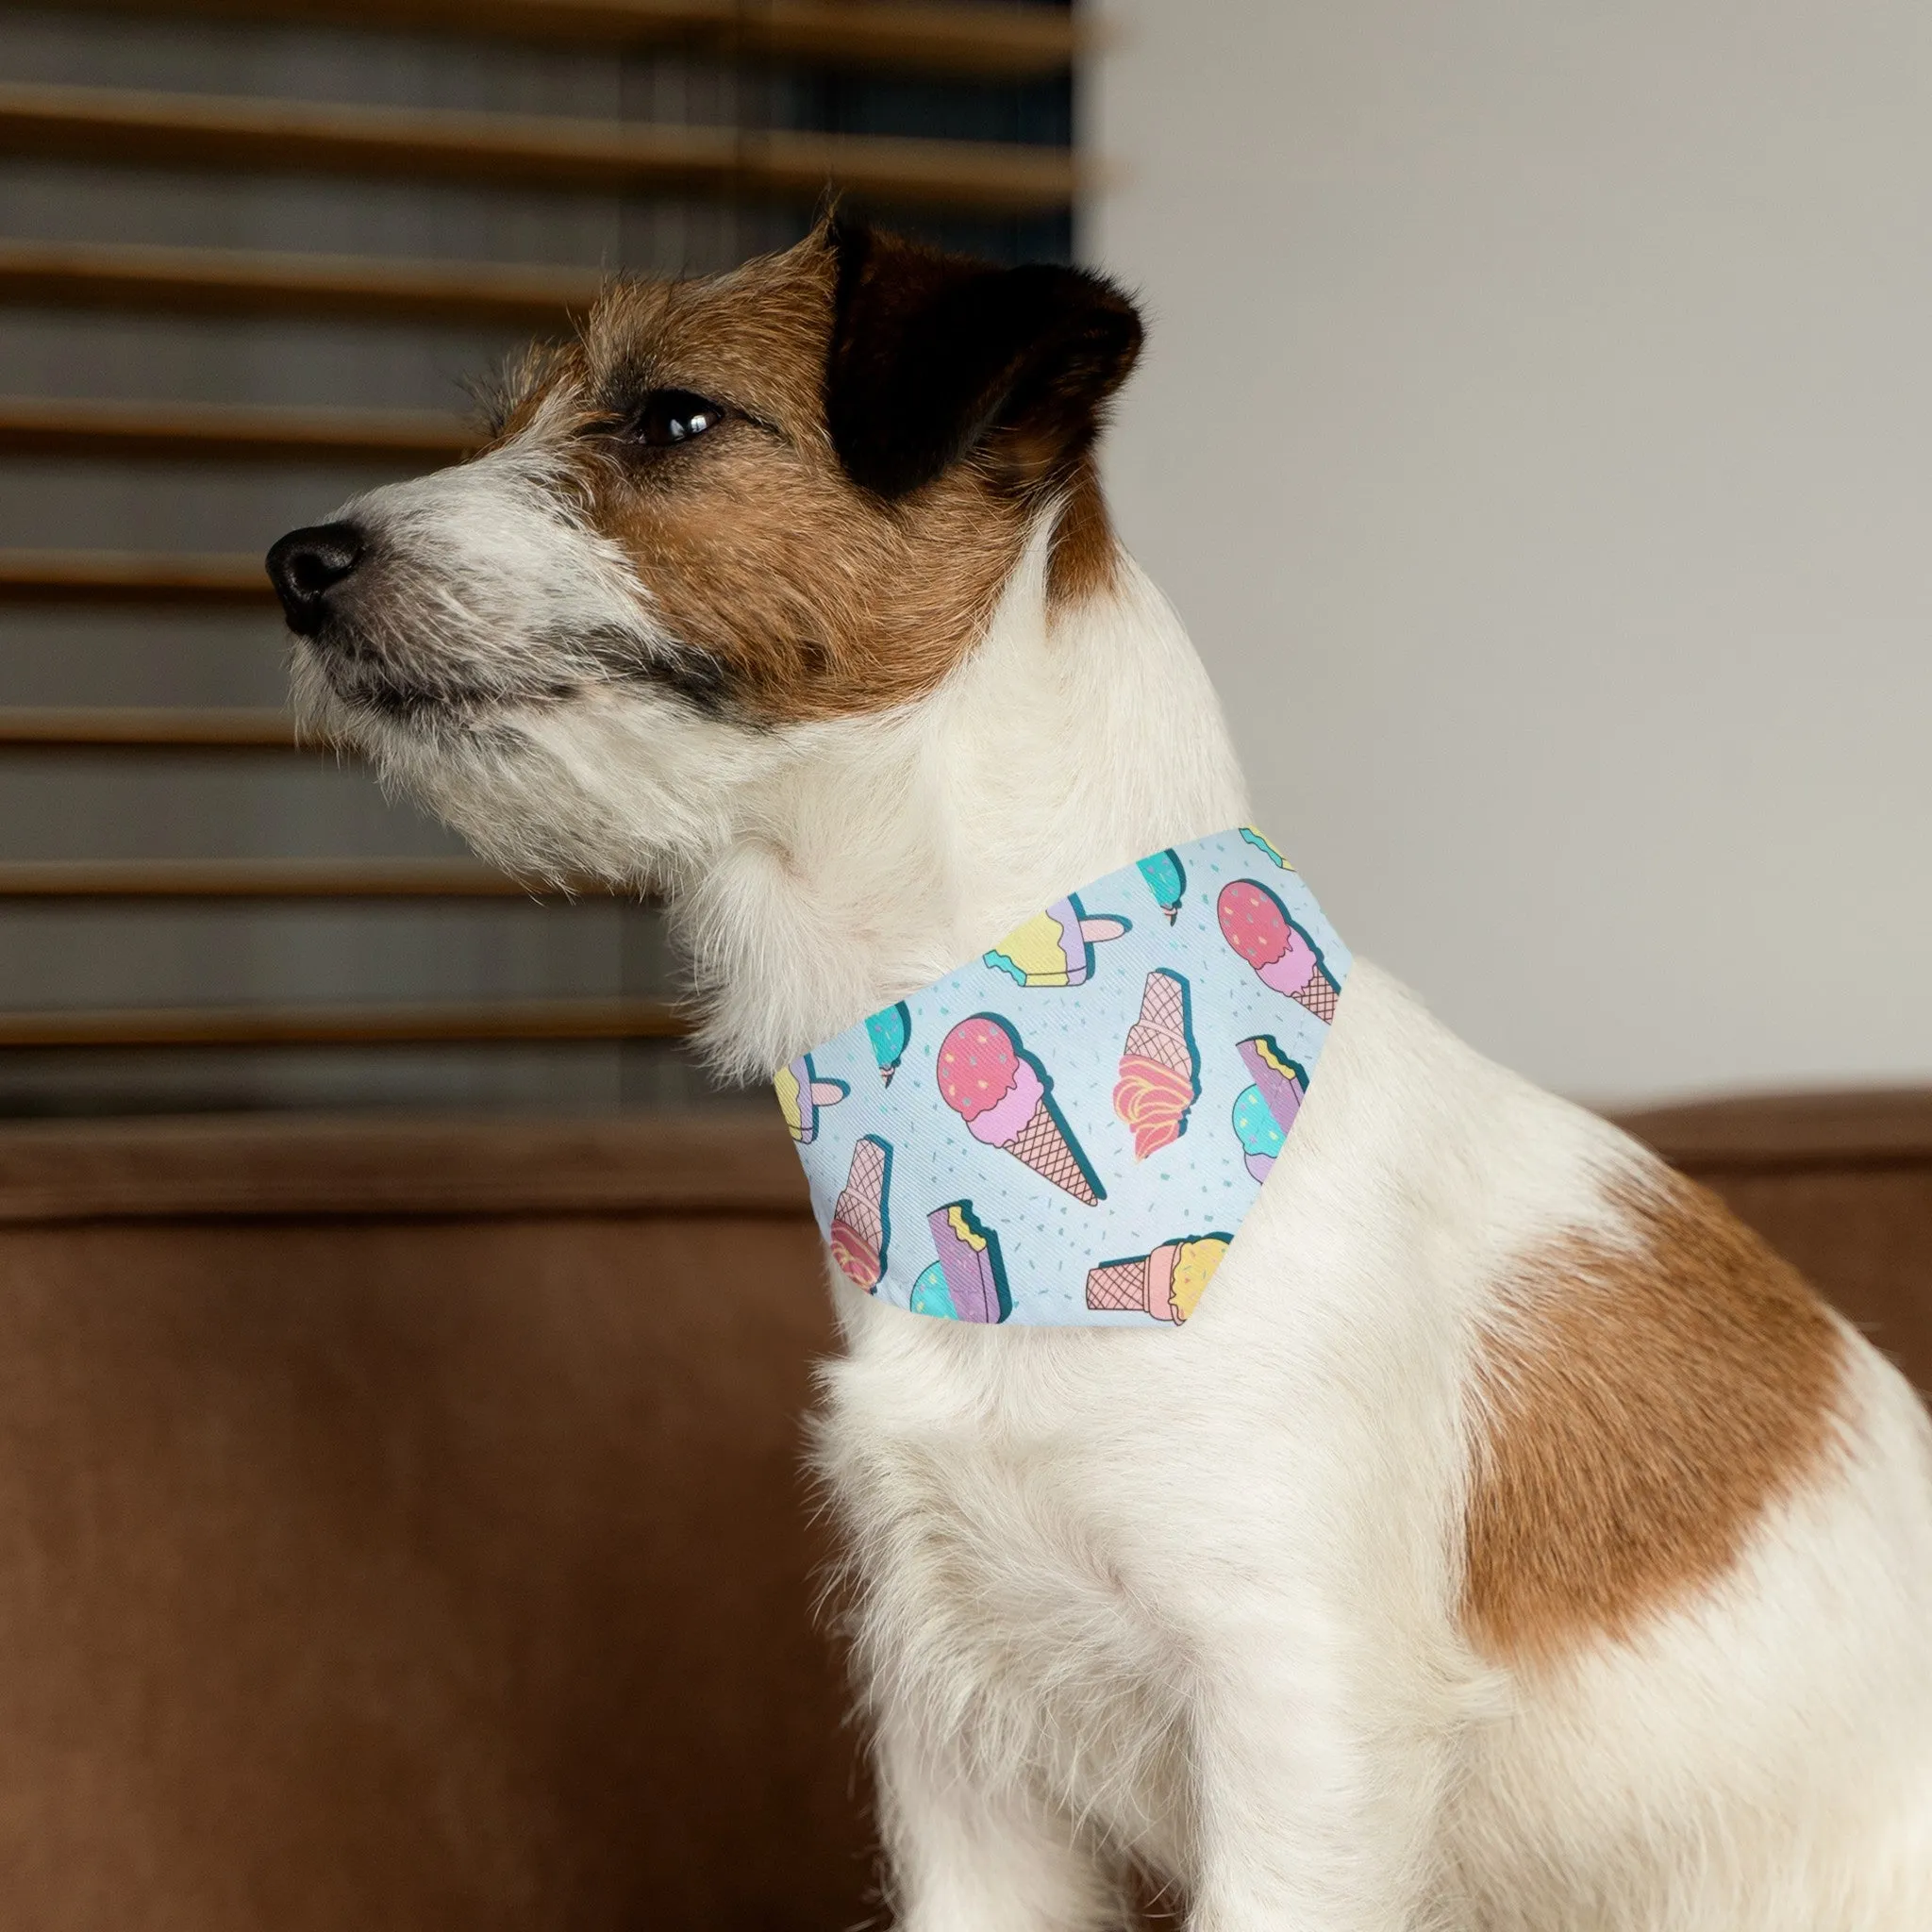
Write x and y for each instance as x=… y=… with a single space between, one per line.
x=879 y=853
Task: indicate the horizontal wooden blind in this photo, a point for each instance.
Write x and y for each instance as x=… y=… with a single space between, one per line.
x=987 y=40
x=525 y=150
x=125 y=576
x=209 y=281
x=53 y=122
x=29 y=426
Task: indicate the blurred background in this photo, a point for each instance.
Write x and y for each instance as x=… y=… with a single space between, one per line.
x=252 y=258
x=1533 y=432
x=404 y=1348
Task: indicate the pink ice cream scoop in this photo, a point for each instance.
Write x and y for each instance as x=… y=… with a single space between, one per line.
x=991 y=1086
x=1254 y=923
x=986 y=1082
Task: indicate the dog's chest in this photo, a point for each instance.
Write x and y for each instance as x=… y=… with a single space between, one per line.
x=1006 y=1518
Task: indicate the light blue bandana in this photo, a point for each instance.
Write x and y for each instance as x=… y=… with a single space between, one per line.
x=1069 y=1131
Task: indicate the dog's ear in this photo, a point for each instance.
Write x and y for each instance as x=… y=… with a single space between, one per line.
x=934 y=357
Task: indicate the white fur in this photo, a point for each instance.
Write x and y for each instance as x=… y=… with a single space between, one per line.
x=1189 y=1600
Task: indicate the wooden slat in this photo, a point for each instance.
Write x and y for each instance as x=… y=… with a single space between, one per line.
x=346 y=1026
x=257 y=878
x=986 y=37
x=41 y=427
x=209 y=281
x=124 y=126
x=131 y=576
x=115 y=728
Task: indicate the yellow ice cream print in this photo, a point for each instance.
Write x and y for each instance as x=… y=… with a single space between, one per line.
x=1167 y=1284
x=802 y=1094
x=963 y=1229
x=1267 y=846
x=787 y=1082
x=1054 y=947
x=1193 y=1269
x=1036 y=951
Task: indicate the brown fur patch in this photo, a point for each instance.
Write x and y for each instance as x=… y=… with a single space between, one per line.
x=814 y=597
x=1084 y=551
x=1643 y=1407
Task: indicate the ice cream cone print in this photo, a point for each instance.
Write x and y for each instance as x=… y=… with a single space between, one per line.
x=996 y=1087
x=802 y=1093
x=1259 y=1131
x=1161 y=1073
x=860 y=1224
x=1047 y=1148
x=1054 y=947
x=1261 y=844
x=1320 y=995
x=1167 y=881
x=1255 y=923
x=1264 y=1112
x=1281 y=1081
x=968 y=1281
x=888 y=1031
x=1167 y=1284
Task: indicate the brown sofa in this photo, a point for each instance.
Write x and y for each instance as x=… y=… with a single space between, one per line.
x=401 y=1522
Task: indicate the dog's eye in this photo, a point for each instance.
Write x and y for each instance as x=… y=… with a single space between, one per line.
x=669 y=416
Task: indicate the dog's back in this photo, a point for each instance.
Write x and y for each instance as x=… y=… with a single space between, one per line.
x=1502 y=1466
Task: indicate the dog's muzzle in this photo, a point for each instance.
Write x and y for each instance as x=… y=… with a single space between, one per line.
x=307 y=566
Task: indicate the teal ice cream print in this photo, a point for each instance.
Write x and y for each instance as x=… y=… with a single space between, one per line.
x=1166 y=881
x=889 y=1032
x=1070 y=1129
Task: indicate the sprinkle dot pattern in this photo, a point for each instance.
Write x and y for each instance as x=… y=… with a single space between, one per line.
x=1001 y=1102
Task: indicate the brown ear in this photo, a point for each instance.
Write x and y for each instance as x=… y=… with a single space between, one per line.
x=935 y=356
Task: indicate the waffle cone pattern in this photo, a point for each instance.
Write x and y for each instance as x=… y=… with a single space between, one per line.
x=1118 y=1284
x=861 y=1202
x=1161 y=1031
x=1042 y=1146
x=1069 y=1130
x=1320 y=998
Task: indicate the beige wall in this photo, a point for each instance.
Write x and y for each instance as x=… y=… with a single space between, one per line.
x=1537 y=435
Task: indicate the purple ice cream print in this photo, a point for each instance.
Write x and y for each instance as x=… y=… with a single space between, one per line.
x=968 y=1281
x=802 y=1094
x=1255 y=923
x=1054 y=947
x=1265 y=1111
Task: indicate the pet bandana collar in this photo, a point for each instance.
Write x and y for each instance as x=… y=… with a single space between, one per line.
x=1069 y=1131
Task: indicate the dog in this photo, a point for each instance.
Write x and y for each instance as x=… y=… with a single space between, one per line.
x=1509 y=1542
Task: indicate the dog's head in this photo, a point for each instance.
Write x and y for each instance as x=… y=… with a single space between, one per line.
x=733 y=510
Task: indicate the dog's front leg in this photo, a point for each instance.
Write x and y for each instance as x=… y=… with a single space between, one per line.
x=1317 y=1812
x=965 y=1855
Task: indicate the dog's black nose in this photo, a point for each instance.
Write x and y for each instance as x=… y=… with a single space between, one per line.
x=306 y=565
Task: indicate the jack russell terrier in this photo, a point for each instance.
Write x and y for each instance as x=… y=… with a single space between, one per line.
x=1502 y=1538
